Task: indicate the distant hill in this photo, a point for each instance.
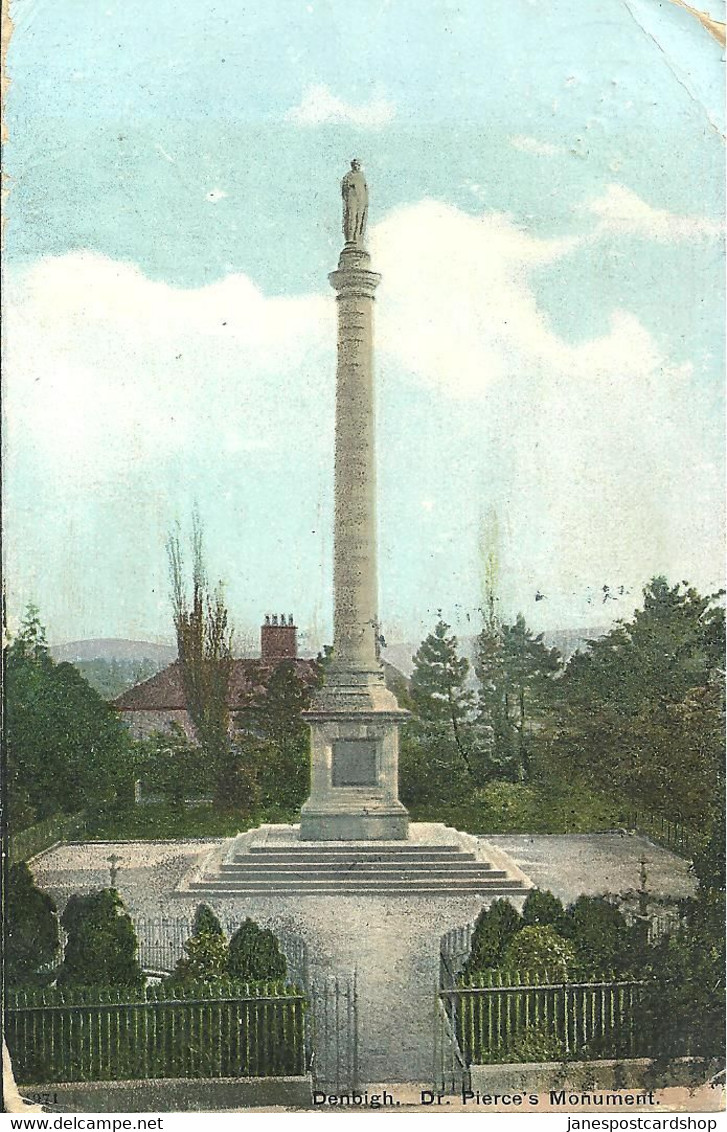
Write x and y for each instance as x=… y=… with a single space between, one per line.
x=112 y=664
x=114 y=648
x=567 y=641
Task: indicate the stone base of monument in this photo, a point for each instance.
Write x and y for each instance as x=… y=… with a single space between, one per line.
x=385 y=823
x=354 y=722
x=435 y=860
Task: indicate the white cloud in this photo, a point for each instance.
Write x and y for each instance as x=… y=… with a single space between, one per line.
x=622 y=211
x=214 y=195
x=106 y=362
x=595 y=453
x=460 y=313
x=319 y=106
x=532 y=145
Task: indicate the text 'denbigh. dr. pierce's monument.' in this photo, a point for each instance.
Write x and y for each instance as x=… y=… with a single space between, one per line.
x=354 y=717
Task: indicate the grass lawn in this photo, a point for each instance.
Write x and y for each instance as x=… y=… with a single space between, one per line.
x=510 y=807
x=499 y=807
x=160 y=821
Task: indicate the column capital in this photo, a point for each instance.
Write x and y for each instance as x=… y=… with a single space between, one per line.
x=351 y=281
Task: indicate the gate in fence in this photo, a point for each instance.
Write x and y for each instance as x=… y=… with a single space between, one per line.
x=450 y=1071
x=333 y=1033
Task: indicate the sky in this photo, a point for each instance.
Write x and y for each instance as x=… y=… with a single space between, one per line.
x=546 y=211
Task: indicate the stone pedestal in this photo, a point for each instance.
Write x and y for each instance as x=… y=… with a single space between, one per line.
x=354 y=718
x=354 y=762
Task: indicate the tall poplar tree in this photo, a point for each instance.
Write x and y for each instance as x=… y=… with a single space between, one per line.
x=204 y=643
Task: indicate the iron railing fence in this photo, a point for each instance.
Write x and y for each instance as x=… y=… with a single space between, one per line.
x=672 y=833
x=101 y=1034
x=43 y=835
x=517 y=1016
x=161 y=944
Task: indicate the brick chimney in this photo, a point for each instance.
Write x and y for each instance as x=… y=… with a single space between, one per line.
x=278 y=638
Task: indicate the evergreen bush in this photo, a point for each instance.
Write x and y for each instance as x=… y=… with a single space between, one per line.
x=255 y=954
x=102 y=946
x=494 y=928
x=32 y=929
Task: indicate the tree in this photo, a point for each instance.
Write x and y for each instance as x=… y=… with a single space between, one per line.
x=204 y=643
x=255 y=954
x=112 y=677
x=441 y=699
x=171 y=765
x=539 y=947
x=683 y=1002
x=708 y=864
x=494 y=929
x=66 y=748
x=641 y=713
x=32 y=929
x=30 y=643
x=275 y=735
x=101 y=948
x=514 y=669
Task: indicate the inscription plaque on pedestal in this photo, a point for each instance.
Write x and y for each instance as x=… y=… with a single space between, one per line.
x=354 y=762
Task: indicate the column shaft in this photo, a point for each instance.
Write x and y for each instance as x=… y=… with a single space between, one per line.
x=354 y=567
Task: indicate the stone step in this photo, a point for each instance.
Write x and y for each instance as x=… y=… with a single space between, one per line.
x=320 y=848
x=467 y=861
x=347 y=857
x=355 y=850
x=357 y=870
x=471 y=889
x=327 y=887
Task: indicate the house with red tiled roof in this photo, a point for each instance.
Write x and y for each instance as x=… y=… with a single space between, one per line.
x=160 y=701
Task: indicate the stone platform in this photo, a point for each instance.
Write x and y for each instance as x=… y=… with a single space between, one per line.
x=434 y=861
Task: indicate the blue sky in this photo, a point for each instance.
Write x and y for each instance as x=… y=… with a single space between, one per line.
x=546 y=203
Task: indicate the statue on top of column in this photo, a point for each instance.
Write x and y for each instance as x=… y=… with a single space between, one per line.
x=355 y=204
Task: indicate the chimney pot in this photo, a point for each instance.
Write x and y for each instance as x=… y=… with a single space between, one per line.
x=278 y=639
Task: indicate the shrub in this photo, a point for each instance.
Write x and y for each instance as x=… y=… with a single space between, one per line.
x=206 y=921
x=602 y=938
x=255 y=954
x=173 y=767
x=493 y=931
x=541 y=907
x=205 y=959
x=32 y=928
x=539 y=948
x=535 y=1044
x=102 y=946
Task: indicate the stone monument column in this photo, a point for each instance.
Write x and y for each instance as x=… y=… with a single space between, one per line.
x=354 y=718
